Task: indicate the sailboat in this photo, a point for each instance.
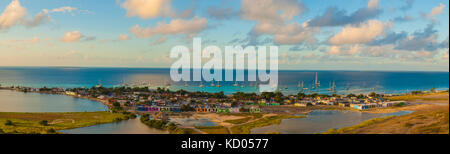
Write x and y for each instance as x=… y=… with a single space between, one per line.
x=218 y=85
x=186 y=84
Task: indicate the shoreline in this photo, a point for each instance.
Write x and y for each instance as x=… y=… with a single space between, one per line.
x=283 y=110
x=52 y=123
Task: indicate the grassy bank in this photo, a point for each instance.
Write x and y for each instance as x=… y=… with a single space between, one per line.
x=239 y=121
x=441 y=96
x=166 y=125
x=246 y=128
x=213 y=129
x=50 y=123
x=431 y=119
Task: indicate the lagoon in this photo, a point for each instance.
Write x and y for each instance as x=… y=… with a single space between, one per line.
x=13 y=101
x=132 y=126
x=321 y=121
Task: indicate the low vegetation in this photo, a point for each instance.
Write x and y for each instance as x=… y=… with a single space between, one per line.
x=361 y=125
x=430 y=119
x=213 y=129
x=166 y=125
x=246 y=128
x=441 y=96
x=238 y=121
x=50 y=123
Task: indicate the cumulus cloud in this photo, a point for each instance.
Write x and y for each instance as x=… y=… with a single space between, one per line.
x=335 y=17
x=421 y=40
x=436 y=11
x=12 y=15
x=71 y=37
x=391 y=38
x=15 y=14
x=189 y=28
x=39 y=19
x=361 y=34
x=344 y=51
x=146 y=9
x=373 y=4
x=271 y=11
x=273 y=16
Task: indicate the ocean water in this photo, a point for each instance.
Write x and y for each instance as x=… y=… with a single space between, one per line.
x=345 y=81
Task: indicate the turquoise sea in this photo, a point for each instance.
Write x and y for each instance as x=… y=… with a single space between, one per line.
x=289 y=81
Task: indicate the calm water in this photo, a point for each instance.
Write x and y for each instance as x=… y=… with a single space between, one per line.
x=132 y=126
x=189 y=121
x=12 y=101
x=320 y=121
x=346 y=81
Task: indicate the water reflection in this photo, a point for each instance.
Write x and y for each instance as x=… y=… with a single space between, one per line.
x=320 y=121
x=132 y=126
x=191 y=122
x=13 y=101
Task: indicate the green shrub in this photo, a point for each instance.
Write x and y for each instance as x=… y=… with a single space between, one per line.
x=51 y=131
x=9 y=123
x=43 y=122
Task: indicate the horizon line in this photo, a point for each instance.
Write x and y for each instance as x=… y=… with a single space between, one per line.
x=319 y=70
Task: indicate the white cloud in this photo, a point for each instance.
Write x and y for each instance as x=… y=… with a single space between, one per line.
x=271 y=10
x=12 y=15
x=436 y=11
x=123 y=37
x=344 y=51
x=15 y=14
x=146 y=9
x=40 y=18
x=445 y=55
x=373 y=4
x=189 y=28
x=272 y=18
x=361 y=34
x=64 y=9
x=71 y=37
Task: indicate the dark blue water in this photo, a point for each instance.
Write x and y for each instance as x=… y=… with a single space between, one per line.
x=345 y=81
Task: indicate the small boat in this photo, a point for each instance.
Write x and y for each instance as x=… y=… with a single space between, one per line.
x=236 y=84
x=218 y=85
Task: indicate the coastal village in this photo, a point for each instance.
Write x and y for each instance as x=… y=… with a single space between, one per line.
x=144 y=100
x=236 y=113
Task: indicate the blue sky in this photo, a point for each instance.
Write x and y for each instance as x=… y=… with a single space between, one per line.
x=406 y=35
